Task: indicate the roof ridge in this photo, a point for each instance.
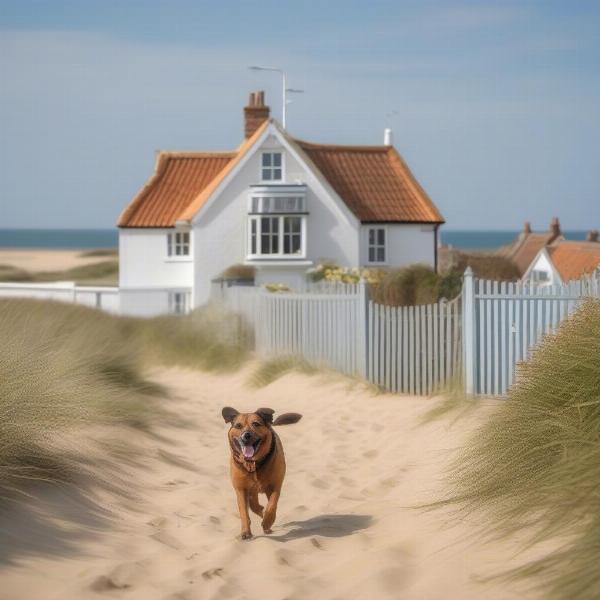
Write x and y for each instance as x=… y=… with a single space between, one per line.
x=346 y=147
x=196 y=153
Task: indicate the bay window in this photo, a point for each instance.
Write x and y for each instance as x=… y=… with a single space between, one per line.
x=276 y=236
x=277 y=221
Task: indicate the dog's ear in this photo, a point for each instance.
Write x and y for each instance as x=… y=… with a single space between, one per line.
x=266 y=414
x=229 y=414
x=287 y=419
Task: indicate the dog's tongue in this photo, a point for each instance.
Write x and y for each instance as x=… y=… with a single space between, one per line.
x=248 y=451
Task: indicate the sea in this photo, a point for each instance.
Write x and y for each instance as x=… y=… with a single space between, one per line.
x=108 y=238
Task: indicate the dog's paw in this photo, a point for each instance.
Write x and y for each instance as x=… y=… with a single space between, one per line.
x=267 y=531
x=246 y=535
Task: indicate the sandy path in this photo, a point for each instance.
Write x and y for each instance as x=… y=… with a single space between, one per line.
x=355 y=463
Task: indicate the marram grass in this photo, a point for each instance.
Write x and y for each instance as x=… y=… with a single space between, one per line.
x=534 y=467
x=67 y=370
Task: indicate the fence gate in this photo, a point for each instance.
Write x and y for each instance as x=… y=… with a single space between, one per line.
x=503 y=322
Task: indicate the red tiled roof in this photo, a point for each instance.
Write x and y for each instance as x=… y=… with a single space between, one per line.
x=374 y=182
x=575 y=259
x=528 y=249
x=179 y=178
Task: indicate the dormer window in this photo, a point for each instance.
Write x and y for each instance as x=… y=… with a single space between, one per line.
x=272 y=166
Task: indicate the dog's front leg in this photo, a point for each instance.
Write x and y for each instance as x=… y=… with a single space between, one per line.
x=242 y=500
x=270 y=511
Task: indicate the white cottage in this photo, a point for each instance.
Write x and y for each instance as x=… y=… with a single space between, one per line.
x=278 y=203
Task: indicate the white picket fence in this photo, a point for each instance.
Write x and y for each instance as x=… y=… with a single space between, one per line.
x=503 y=322
x=481 y=336
x=402 y=349
x=414 y=349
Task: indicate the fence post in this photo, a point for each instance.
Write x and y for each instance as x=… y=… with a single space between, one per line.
x=468 y=295
x=363 y=330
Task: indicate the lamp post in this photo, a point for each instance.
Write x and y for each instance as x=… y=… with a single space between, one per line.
x=284 y=87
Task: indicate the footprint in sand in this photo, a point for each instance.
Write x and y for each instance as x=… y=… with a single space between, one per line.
x=316 y=543
x=320 y=484
x=370 y=453
x=158 y=522
x=167 y=539
x=210 y=573
x=121 y=577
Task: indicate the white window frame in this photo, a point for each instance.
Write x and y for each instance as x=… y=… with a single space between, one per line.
x=257 y=219
x=179 y=302
x=377 y=246
x=179 y=240
x=272 y=168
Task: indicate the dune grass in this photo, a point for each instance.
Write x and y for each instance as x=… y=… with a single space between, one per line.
x=454 y=402
x=534 y=467
x=271 y=369
x=67 y=371
x=112 y=252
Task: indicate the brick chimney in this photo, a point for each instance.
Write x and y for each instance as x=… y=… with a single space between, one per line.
x=555 y=228
x=526 y=227
x=255 y=114
x=592 y=235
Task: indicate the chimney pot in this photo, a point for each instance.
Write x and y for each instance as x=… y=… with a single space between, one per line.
x=592 y=236
x=388 y=137
x=527 y=227
x=555 y=227
x=255 y=114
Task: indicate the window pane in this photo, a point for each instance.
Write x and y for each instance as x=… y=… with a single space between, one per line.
x=380 y=254
x=371 y=254
x=276 y=174
x=287 y=246
x=177 y=250
x=266 y=159
x=265 y=247
x=296 y=244
x=371 y=237
x=277 y=159
x=266 y=174
x=381 y=237
x=186 y=238
x=169 y=245
x=275 y=224
x=265 y=225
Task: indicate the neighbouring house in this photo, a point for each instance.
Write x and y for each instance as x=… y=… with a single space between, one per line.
x=528 y=244
x=564 y=260
x=276 y=202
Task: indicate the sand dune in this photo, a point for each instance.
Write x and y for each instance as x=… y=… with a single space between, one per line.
x=357 y=463
x=42 y=259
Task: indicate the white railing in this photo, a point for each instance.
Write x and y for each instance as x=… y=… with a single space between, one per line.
x=105 y=298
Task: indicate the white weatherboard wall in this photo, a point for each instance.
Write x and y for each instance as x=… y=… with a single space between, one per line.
x=146 y=271
x=221 y=229
x=406 y=244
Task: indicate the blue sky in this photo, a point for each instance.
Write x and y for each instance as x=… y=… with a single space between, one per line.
x=494 y=105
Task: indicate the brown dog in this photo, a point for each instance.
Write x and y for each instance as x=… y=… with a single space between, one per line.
x=257 y=462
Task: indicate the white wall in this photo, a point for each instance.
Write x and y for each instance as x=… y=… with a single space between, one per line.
x=405 y=245
x=220 y=232
x=143 y=260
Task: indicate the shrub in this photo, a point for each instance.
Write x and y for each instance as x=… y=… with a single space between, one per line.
x=409 y=286
x=534 y=467
x=239 y=273
x=484 y=265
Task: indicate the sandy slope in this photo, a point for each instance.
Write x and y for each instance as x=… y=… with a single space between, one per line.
x=345 y=529
x=39 y=259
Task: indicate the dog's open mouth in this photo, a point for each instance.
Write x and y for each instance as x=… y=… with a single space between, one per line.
x=248 y=450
